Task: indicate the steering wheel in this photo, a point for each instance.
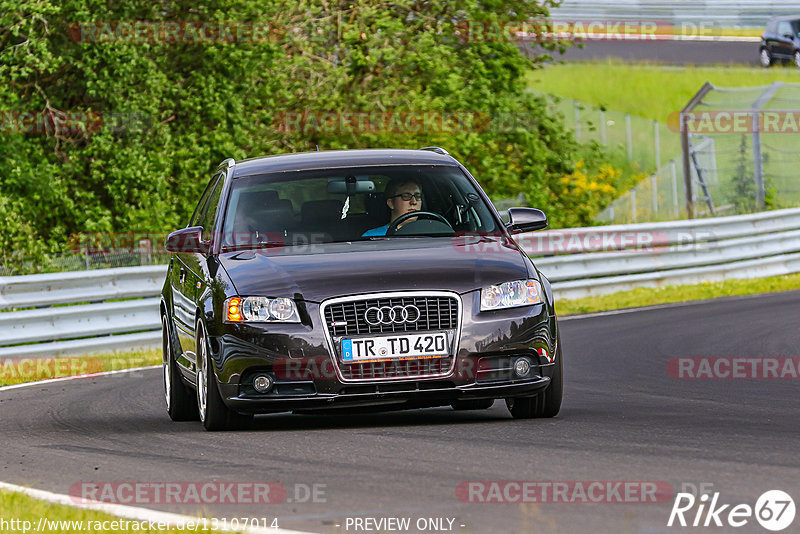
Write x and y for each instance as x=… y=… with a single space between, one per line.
x=411 y=214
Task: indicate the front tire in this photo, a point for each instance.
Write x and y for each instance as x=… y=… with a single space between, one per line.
x=547 y=403
x=765 y=58
x=181 y=402
x=213 y=413
x=797 y=59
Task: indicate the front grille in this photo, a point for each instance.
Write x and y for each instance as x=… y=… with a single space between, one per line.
x=436 y=313
x=397 y=368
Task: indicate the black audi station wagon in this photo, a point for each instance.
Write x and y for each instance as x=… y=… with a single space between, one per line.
x=353 y=279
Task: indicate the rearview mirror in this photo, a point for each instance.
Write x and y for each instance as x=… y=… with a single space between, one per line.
x=525 y=220
x=350 y=185
x=187 y=241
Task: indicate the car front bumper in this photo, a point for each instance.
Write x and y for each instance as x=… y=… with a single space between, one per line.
x=413 y=394
x=483 y=366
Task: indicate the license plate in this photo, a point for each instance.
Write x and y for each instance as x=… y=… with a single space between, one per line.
x=399 y=347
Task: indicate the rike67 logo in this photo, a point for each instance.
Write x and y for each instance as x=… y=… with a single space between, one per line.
x=774 y=510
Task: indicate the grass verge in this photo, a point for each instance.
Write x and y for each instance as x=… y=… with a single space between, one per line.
x=647 y=90
x=16 y=509
x=20 y=370
x=649 y=296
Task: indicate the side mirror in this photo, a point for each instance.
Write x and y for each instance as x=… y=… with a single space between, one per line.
x=187 y=241
x=525 y=220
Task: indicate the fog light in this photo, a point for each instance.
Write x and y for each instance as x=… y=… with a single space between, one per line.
x=522 y=367
x=263 y=383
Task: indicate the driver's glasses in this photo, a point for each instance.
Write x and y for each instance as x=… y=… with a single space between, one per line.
x=408 y=196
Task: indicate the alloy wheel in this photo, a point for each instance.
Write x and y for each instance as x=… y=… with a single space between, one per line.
x=202 y=376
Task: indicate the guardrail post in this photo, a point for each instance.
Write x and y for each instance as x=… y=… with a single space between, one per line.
x=577 y=121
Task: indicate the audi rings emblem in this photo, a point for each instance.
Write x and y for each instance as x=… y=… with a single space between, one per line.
x=389 y=315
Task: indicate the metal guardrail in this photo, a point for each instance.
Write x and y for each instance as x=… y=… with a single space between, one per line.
x=580 y=262
x=668 y=253
x=96 y=321
x=714 y=13
x=80 y=286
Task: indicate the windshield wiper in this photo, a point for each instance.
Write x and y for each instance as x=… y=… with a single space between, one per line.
x=253 y=246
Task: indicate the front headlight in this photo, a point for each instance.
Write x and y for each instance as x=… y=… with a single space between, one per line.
x=261 y=310
x=511 y=295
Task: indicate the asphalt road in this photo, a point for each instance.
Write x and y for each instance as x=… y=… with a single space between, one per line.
x=670 y=52
x=623 y=419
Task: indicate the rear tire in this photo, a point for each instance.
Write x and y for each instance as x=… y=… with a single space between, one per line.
x=477 y=404
x=180 y=400
x=213 y=413
x=797 y=59
x=547 y=403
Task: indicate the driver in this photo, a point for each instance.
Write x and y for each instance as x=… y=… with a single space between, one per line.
x=403 y=195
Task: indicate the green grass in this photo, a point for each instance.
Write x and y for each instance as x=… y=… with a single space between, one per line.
x=20 y=370
x=646 y=296
x=21 y=507
x=647 y=90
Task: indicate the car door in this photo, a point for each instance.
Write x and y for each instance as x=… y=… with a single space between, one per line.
x=784 y=40
x=187 y=272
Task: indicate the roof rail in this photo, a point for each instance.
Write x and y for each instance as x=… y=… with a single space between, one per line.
x=230 y=162
x=437 y=149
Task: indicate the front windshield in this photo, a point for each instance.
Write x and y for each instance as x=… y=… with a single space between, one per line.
x=340 y=205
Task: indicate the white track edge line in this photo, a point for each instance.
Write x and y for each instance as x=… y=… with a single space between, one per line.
x=130 y=512
x=75 y=377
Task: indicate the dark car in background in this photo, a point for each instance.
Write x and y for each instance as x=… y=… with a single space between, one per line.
x=293 y=289
x=781 y=41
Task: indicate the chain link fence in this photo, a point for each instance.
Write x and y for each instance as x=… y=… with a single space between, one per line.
x=639 y=143
x=742 y=148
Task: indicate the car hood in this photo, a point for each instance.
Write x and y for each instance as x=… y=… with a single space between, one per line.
x=319 y=271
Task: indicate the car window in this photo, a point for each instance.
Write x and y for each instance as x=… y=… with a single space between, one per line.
x=206 y=214
x=784 y=27
x=315 y=207
x=200 y=209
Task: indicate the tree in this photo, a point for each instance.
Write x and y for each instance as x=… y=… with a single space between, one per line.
x=130 y=129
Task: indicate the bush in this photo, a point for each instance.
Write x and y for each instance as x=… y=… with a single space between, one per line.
x=159 y=116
